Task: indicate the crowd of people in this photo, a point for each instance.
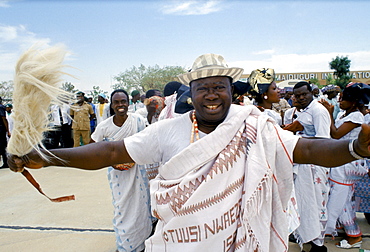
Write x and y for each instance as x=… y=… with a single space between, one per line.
x=217 y=164
x=327 y=199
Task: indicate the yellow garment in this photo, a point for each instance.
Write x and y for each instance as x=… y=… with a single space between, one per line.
x=101 y=109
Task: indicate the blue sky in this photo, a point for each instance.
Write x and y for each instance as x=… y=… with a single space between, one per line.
x=108 y=37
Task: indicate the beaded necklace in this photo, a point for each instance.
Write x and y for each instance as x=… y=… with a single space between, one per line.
x=194 y=129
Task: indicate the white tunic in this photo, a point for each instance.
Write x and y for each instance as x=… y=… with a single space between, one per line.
x=311 y=181
x=132 y=219
x=202 y=188
x=105 y=112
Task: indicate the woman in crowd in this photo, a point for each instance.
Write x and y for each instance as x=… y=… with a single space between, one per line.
x=265 y=92
x=362 y=186
x=347 y=126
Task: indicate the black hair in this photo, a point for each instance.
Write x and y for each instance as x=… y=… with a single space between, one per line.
x=240 y=88
x=257 y=97
x=111 y=96
x=171 y=88
x=301 y=84
x=151 y=92
x=358 y=93
x=263 y=88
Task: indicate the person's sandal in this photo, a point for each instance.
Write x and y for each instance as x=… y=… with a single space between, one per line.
x=345 y=244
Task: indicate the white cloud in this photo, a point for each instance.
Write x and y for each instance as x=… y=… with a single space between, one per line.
x=13 y=41
x=264 y=52
x=4 y=4
x=19 y=36
x=297 y=63
x=8 y=33
x=192 y=7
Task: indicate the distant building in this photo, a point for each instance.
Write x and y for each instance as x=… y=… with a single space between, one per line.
x=357 y=76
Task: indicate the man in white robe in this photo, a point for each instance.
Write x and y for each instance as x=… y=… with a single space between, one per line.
x=311 y=181
x=132 y=219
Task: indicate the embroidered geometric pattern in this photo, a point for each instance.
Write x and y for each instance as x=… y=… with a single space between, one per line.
x=213 y=200
x=251 y=134
x=162 y=185
x=249 y=239
x=179 y=196
x=240 y=143
x=228 y=155
x=152 y=170
x=240 y=243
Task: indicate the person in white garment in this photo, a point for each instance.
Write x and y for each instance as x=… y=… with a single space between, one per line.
x=9 y=117
x=135 y=102
x=102 y=110
x=330 y=94
x=292 y=114
x=347 y=125
x=57 y=117
x=311 y=181
x=172 y=91
x=226 y=176
x=132 y=219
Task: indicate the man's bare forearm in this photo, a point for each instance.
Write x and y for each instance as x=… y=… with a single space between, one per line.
x=90 y=157
x=323 y=152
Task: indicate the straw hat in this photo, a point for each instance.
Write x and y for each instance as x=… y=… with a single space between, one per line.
x=210 y=65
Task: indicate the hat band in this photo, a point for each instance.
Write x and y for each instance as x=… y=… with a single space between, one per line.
x=210 y=67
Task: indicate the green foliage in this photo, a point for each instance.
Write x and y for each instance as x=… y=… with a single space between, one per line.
x=341 y=66
x=330 y=80
x=144 y=78
x=95 y=92
x=6 y=90
x=315 y=81
x=69 y=87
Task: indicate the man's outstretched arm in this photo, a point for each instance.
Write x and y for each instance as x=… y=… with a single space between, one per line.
x=87 y=157
x=330 y=152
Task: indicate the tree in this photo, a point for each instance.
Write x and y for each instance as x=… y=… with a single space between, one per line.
x=6 y=90
x=330 y=80
x=95 y=92
x=69 y=87
x=144 y=78
x=341 y=66
x=315 y=81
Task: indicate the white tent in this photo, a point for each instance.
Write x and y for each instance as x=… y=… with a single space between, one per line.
x=288 y=83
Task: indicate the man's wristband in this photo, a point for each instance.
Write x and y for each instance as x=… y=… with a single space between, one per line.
x=352 y=150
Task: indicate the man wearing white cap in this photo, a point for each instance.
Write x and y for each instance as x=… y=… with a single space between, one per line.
x=102 y=109
x=226 y=174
